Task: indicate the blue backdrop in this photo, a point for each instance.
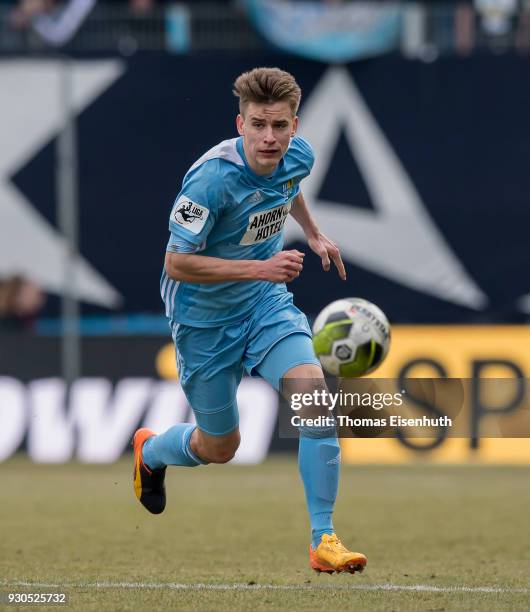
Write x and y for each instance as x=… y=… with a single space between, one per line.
x=459 y=128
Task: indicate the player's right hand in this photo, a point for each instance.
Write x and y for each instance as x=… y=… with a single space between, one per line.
x=283 y=267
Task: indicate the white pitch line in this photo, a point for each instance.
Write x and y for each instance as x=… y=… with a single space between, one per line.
x=175 y=586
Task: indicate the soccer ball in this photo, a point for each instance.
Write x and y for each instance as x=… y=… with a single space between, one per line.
x=351 y=337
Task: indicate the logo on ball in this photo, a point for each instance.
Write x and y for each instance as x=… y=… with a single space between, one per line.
x=351 y=337
x=343 y=352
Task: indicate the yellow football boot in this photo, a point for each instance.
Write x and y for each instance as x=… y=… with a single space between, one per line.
x=332 y=556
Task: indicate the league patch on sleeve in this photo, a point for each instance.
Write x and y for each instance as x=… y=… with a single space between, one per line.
x=189 y=214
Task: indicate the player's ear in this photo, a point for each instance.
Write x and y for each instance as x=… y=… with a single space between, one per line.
x=240 y=125
x=295 y=126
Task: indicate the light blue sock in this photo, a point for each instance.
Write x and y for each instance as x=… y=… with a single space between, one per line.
x=171 y=448
x=319 y=463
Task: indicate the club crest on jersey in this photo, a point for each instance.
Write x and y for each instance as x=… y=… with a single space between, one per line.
x=189 y=214
x=287 y=188
x=265 y=223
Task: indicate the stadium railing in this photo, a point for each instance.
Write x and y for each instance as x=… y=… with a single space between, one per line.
x=115 y=28
x=429 y=30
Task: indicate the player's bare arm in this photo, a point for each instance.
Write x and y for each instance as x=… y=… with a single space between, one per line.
x=283 y=267
x=325 y=248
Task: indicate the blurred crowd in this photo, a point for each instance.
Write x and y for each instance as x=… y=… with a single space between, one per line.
x=56 y=20
x=25 y=11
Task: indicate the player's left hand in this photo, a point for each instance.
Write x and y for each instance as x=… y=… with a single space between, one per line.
x=327 y=250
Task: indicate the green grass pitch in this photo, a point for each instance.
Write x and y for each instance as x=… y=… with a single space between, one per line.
x=236 y=537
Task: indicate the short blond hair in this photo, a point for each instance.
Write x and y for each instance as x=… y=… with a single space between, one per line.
x=265 y=86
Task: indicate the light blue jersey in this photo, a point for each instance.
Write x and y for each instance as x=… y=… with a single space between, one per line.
x=226 y=210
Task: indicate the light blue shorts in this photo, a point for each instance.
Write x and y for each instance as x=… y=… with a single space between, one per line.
x=211 y=361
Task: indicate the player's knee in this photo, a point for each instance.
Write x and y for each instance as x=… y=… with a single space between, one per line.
x=223 y=455
x=219 y=450
x=305 y=371
x=305 y=378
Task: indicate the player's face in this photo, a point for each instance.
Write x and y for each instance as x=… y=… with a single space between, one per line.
x=267 y=130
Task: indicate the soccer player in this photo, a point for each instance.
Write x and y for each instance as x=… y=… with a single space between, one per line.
x=229 y=310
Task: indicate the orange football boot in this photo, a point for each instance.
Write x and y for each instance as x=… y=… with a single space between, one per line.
x=332 y=556
x=148 y=484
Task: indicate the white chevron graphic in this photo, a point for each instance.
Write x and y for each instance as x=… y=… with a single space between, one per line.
x=29 y=118
x=399 y=240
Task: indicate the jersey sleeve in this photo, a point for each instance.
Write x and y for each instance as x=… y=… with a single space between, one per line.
x=304 y=153
x=196 y=209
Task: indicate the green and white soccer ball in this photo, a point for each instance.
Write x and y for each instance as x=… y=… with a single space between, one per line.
x=351 y=337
